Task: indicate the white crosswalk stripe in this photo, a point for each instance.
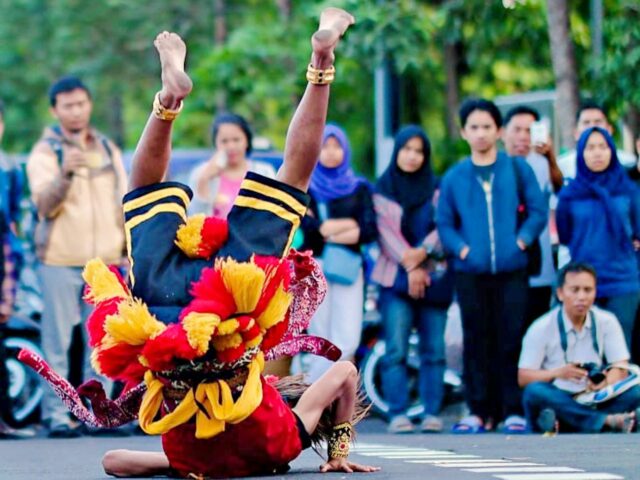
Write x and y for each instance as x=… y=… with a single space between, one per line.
x=427 y=457
x=561 y=476
x=487 y=464
x=500 y=468
x=457 y=460
x=512 y=469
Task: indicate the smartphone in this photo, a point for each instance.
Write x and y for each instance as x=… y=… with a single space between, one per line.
x=539 y=133
x=221 y=158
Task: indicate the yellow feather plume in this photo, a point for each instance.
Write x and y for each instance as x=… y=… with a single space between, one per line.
x=244 y=280
x=254 y=342
x=228 y=327
x=189 y=235
x=199 y=328
x=226 y=342
x=103 y=283
x=276 y=310
x=94 y=361
x=134 y=324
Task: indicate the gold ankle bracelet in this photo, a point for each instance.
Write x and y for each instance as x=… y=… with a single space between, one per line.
x=163 y=113
x=318 y=76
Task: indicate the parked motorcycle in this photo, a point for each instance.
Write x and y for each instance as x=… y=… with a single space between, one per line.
x=373 y=349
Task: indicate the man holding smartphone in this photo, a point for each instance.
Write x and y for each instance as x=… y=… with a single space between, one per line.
x=524 y=135
x=591 y=114
x=77 y=179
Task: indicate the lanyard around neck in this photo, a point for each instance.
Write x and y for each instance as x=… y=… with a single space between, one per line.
x=563 y=334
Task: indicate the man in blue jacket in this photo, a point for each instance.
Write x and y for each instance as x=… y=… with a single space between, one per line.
x=490 y=212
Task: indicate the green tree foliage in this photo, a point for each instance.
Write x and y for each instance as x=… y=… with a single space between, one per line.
x=617 y=81
x=261 y=66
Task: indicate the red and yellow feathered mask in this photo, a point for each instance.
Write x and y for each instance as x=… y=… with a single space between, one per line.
x=237 y=311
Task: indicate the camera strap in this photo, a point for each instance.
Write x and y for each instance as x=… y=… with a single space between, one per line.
x=563 y=335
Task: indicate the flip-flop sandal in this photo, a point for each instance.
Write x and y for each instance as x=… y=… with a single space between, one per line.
x=469 y=425
x=514 y=425
x=622 y=422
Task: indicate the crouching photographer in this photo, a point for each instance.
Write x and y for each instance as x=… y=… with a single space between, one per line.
x=574 y=364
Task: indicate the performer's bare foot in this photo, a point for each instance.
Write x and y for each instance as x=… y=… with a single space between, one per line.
x=176 y=84
x=333 y=24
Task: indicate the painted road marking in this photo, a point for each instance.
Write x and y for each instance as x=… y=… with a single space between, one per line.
x=561 y=476
x=512 y=469
x=433 y=453
x=487 y=464
x=430 y=457
x=503 y=469
x=462 y=461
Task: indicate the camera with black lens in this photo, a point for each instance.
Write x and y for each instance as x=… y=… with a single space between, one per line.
x=595 y=372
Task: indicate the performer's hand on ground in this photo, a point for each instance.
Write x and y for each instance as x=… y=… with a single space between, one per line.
x=344 y=465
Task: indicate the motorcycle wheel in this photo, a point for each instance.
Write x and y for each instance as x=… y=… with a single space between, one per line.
x=371 y=381
x=25 y=386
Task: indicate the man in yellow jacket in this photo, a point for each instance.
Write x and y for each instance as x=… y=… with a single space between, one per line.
x=77 y=180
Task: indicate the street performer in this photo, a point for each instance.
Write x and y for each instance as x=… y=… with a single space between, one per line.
x=208 y=301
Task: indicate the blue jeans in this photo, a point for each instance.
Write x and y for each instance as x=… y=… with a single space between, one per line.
x=580 y=418
x=399 y=315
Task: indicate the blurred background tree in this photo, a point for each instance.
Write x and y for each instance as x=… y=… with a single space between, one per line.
x=249 y=56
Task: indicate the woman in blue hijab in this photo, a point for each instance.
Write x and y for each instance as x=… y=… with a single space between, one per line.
x=417 y=285
x=598 y=218
x=339 y=221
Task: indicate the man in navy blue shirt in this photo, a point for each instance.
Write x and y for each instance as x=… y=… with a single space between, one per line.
x=490 y=213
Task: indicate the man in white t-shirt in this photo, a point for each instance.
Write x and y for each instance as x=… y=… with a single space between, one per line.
x=556 y=348
x=516 y=137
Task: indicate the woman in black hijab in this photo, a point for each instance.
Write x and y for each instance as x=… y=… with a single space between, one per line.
x=417 y=288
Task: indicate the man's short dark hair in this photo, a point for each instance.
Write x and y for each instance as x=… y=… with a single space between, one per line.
x=470 y=105
x=575 y=267
x=591 y=104
x=65 y=85
x=521 y=110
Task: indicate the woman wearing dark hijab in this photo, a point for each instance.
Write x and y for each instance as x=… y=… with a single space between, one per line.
x=417 y=287
x=598 y=218
x=339 y=221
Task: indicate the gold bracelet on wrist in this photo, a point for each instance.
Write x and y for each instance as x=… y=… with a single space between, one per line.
x=318 y=76
x=340 y=440
x=163 y=113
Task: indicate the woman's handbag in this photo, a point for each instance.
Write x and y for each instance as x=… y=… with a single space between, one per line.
x=340 y=264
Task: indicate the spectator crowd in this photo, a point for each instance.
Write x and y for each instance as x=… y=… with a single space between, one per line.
x=539 y=252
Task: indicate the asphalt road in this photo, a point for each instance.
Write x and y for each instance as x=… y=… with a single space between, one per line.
x=444 y=456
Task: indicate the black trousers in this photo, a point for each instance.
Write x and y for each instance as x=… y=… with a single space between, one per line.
x=538 y=303
x=5 y=402
x=493 y=317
